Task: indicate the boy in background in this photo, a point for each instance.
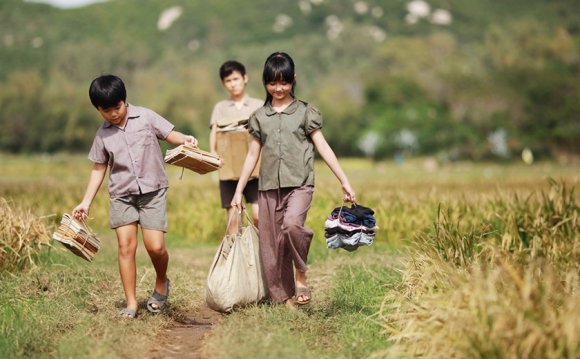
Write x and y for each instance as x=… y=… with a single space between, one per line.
x=230 y=113
x=127 y=142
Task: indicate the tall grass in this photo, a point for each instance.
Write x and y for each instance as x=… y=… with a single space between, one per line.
x=475 y=249
x=546 y=228
x=22 y=235
x=505 y=288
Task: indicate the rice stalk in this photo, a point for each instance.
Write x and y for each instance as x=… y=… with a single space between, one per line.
x=547 y=227
x=505 y=312
x=504 y=285
x=22 y=235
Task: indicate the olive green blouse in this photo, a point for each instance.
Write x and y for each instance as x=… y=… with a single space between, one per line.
x=287 y=149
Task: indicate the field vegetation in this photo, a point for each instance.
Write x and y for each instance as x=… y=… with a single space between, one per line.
x=471 y=261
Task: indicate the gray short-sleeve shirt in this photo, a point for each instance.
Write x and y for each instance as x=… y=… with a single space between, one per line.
x=287 y=149
x=133 y=153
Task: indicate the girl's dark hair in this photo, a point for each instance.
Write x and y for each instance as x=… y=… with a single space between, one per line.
x=106 y=91
x=229 y=67
x=279 y=66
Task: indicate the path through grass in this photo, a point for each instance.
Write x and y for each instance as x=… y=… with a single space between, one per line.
x=65 y=307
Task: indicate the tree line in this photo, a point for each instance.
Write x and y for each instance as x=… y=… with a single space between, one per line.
x=431 y=91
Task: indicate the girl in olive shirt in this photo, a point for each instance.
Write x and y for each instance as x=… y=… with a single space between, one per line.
x=285 y=131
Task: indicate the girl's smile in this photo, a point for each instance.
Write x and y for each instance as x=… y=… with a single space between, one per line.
x=280 y=90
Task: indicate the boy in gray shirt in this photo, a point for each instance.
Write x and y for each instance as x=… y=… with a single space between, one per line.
x=127 y=143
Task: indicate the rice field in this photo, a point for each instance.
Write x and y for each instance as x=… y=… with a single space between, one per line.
x=471 y=261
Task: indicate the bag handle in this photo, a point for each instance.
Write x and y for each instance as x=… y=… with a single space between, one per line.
x=84 y=226
x=234 y=213
x=343 y=203
x=79 y=221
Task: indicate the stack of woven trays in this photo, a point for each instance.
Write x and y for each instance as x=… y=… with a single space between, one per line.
x=193 y=159
x=77 y=237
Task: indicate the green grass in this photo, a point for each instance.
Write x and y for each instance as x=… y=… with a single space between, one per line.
x=62 y=306
x=340 y=321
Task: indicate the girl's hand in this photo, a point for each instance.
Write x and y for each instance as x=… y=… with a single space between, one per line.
x=237 y=202
x=190 y=141
x=81 y=211
x=348 y=192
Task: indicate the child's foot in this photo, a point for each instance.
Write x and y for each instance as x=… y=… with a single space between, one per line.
x=128 y=313
x=157 y=301
x=289 y=303
x=302 y=295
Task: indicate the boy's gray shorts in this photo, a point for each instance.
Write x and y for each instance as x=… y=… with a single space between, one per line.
x=148 y=209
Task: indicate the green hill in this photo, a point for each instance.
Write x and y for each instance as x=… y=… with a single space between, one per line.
x=387 y=82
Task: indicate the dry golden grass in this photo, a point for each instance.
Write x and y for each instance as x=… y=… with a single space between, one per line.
x=21 y=236
x=503 y=284
x=499 y=312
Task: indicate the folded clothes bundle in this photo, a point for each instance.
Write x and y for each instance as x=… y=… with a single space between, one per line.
x=350 y=227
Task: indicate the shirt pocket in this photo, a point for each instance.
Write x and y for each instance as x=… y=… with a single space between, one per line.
x=144 y=137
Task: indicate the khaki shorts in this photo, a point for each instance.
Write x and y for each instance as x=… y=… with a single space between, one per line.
x=148 y=209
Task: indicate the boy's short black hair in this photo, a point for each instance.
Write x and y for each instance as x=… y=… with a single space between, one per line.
x=106 y=91
x=229 y=67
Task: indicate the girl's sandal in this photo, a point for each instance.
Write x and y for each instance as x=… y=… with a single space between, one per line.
x=302 y=295
x=159 y=300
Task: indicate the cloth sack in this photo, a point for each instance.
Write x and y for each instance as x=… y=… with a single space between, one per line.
x=235 y=277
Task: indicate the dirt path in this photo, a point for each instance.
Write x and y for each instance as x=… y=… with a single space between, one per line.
x=185 y=338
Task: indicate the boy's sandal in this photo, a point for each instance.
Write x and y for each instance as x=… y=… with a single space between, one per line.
x=128 y=313
x=302 y=295
x=159 y=300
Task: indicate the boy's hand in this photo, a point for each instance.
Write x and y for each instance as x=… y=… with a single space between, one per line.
x=81 y=211
x=190 y=141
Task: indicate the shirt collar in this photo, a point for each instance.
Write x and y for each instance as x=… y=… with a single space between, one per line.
x=245 y=101
x=292 y=107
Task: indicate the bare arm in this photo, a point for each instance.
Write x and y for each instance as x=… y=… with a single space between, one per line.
x=95 y=180
x=213 y=139
x=249 y=164
x=177 y=138
x=329 y=157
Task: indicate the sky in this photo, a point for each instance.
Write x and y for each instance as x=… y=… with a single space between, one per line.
x=67 y=4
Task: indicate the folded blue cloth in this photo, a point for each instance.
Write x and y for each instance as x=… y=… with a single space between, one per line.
x=356 y=214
